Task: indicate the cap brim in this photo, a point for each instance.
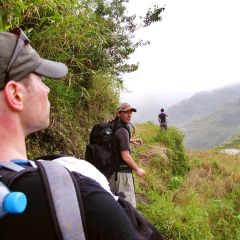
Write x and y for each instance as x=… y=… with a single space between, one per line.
x=51 y=69
x=127 y=109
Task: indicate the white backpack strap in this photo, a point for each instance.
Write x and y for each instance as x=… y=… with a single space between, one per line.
x=12 y=166
x=65 y=200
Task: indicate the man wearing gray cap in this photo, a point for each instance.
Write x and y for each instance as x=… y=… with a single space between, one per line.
x=24 y=109
x=122 y=179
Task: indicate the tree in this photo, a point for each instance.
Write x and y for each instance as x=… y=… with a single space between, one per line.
x=153 y=16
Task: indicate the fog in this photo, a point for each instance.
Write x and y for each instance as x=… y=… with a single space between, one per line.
x=148 y=104
x=195 y=48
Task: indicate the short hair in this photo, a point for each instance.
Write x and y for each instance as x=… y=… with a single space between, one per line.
x=25 y=81
x=162 y=110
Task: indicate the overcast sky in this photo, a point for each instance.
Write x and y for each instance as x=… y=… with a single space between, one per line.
x=196 y=47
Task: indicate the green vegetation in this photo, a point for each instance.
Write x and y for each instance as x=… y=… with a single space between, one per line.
x=200 y=201
x=233 y=143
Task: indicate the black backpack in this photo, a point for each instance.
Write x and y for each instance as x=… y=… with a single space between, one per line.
x=66 y=186
x=99 y=149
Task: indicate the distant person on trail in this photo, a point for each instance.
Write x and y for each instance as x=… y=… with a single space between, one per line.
x=24 y=109
x=162 y=118
x=122 y=179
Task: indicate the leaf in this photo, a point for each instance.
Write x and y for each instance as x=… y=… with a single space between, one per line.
x=2 y=13
x=4 y=20
x=21 y=4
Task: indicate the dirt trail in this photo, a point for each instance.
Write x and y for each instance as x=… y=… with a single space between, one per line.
x=149 y=153
x=144 y=158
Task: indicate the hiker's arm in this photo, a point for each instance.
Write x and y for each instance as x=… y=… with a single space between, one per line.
x=136 y=141
x=130 y=162
x=159 y=119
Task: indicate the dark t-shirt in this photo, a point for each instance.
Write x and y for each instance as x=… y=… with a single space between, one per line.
x=121 y=142
x=162 y=116
x=105 y=219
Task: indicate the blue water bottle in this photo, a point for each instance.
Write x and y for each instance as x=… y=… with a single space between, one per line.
x=11 y=202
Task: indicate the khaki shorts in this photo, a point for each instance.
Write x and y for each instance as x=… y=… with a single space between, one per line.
x=124 y=184
x=163 y=126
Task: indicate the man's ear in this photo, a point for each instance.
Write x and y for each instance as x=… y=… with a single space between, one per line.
x=13 y=93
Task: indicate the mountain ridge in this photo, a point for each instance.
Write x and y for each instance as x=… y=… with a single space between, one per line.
x=202 y=104
x=214 y=129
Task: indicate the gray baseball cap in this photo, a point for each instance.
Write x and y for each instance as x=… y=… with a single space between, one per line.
x=27 y=61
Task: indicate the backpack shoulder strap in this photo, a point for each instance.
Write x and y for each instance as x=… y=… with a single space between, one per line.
x=62 y=195
x=120 y=125
x=9 y=171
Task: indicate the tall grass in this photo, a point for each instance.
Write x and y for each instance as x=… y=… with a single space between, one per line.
x=199 y=202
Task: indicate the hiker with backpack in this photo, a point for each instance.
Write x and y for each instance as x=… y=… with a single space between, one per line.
x=24 y=109
x=122 y=178
x=162 y=119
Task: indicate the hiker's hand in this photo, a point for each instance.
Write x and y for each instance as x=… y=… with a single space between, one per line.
x=140 y=172
x=136 y=141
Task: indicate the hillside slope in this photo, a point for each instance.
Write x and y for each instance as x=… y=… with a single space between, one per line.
x=202 y=104
x=213 y=130
x=201 y=203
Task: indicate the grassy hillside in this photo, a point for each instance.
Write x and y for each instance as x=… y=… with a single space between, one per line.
x=200 y=202
x=213 y=130
x=202 y=104
x=232 y=143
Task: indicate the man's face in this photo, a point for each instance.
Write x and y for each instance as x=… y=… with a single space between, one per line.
x=125 y=116
x=36 y=105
